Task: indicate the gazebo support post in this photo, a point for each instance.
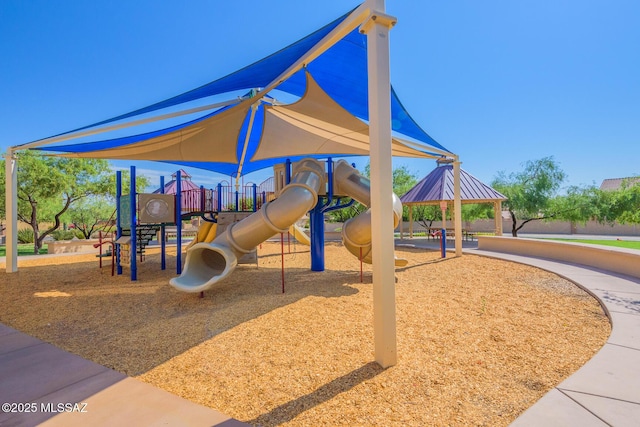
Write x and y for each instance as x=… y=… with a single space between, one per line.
x=384 y=301
x=457 y=207
x=497 y=215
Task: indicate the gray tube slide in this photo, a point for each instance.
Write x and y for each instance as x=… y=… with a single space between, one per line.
x=208 y=263
x=356 y=232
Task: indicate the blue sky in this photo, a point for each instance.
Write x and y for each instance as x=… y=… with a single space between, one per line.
x=497 y=82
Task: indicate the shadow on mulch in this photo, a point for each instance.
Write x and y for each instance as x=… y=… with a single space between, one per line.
x=133 y=327
x=288 y=411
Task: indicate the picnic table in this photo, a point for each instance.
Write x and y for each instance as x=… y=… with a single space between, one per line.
x=436 y=234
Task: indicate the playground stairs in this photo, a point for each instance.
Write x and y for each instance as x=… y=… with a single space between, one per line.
x=144 y=234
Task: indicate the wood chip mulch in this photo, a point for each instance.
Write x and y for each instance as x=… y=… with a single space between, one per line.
x=479 y=340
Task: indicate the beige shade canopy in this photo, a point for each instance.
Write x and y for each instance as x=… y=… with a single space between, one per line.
x=314 y=125
x=212 y=138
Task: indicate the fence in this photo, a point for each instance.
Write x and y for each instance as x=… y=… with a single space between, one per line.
x=222 y=198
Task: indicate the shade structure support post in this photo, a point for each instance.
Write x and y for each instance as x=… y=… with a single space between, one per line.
x=457 y=207
x=384 y=301
x=11 y=205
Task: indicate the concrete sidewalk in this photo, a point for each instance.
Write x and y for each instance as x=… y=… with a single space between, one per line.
x=43 y=385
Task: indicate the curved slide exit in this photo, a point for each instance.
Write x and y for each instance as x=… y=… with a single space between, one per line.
x=299 y=234
x=356 y=232
x=208 y=263
x=206 y=233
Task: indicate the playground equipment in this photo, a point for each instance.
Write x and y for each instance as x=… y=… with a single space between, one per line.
x=298 y=233
x=229 y=236
x=356 y=232
x=106 y=238
x=143 y=217
x=206 y=233
x=208 y=263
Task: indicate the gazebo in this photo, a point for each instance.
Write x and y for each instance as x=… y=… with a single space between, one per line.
x=437 y=188
x=192 y=196
x=185 y=182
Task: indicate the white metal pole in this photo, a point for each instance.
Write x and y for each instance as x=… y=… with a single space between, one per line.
x=457 y=207
x=384 y=300
x=11 y=205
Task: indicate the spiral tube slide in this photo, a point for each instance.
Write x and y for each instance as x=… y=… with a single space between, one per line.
x=356 y=232
x=208 y=263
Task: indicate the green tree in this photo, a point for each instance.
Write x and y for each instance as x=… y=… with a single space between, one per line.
x=474 y=211
x=403 y=181
x=581 y=204
x=91 y=214
x=530 y=192
x=48 y=186
x=624 y=203
x=425 y=214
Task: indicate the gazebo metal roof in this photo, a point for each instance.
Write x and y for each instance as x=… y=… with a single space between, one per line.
x=438 y=186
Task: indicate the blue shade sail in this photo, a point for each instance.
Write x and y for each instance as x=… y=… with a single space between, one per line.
x=226 y=140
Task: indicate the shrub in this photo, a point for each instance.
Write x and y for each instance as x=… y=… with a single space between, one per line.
x=25 y=235
x=63 y=234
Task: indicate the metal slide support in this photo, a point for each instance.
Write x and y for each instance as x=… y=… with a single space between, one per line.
x=379 y=87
